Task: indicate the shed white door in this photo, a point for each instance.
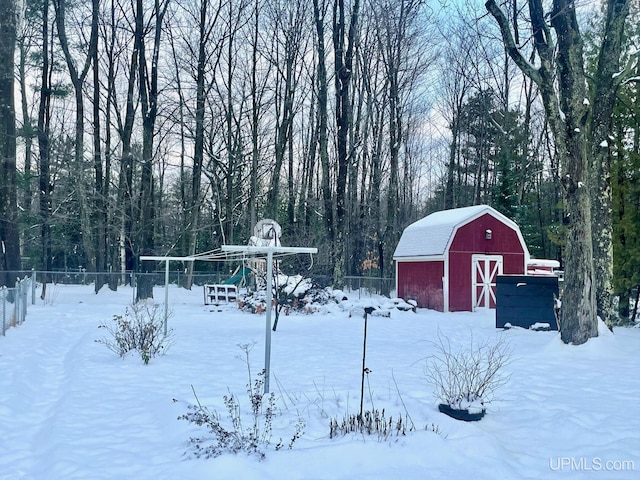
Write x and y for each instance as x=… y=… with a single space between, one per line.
x=484 y=270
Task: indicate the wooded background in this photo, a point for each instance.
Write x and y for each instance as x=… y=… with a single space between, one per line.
x=170 y=127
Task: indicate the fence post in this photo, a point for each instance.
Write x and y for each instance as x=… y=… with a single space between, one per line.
x=4 y=310
x=16 y=302
x=33 y=286
x=23 y=299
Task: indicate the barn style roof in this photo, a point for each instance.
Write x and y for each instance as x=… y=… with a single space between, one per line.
x=431 y=235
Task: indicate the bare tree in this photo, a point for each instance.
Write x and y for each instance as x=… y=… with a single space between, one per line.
x=148 y=90
x=44 y=130
x=204 y=54
x=320 y=8
x=108 y=220
x=258 y=86
x=26 y=42
x=102 y=174
x=231 y=90
x=372 y=89
x=455 y=84
x=344 y=45
x=78 y=75
x=288 y=20
x=124 y=119
x=9 y=237
x=400 y=27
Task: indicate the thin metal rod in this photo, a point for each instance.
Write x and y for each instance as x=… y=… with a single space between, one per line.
x=267 y=339
x=166 y=295
x=364 y=368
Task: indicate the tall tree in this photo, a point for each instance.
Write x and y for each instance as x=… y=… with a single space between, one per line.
x=455 y=62
x=561 y=59
x=102 y=175
x=289 y=20
x=231 y=88
x=344 y=44
x=603 y=90
x=400 y=25
x=625 y=177
x=148 y=91
x=9 y=237
x=27 y=40
x=205 y=50
x=44 y=146
x=319 y=13
x=257 y=92
x=78 y=75
x=124 y=119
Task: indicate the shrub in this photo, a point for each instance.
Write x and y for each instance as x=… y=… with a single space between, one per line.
x=232 y=436
x=371 y=423
x=303 y=296
x=467 y=378
x=141 y=328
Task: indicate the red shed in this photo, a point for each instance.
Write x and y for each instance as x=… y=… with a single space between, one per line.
x=449 y=260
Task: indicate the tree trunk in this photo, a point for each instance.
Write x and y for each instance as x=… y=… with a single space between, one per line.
x=114 y=261
x=44 y=120
x=603 y=98
x=29 y=131
x=193 y=205
x=9 y=235
x=343 y=45
x=323 y=121
x=567 y=115
x=100 y=217
x=255 y=121
x=449 y=192
x=579 y=317
x=127 y=246
x=283 y=135
x=78 y=76
x=148 y=89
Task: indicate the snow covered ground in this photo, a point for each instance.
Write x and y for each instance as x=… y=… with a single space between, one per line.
x=72 y=409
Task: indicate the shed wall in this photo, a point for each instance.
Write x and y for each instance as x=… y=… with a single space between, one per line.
x=422 y=282
x=470 y=239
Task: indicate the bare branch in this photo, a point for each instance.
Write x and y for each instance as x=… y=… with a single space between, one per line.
x=512 y=49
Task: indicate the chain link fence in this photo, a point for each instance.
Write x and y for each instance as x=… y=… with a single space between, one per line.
x=368 y=286
x=15 y=299
x=176 y=277
x=14 y=302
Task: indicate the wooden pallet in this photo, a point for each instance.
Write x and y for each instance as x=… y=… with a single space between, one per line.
x=216 y=294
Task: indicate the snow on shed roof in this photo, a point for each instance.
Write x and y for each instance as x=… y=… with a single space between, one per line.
x=431 y=235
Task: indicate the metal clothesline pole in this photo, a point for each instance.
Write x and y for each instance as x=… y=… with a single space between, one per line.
x=269 y=251
x=166 y=261
x=267 y=338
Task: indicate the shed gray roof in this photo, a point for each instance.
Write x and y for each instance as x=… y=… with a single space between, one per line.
x=431 y=235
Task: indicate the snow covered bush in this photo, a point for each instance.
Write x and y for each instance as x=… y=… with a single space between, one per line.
x=293 y=293
x=467 y=378
x=141 y=328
